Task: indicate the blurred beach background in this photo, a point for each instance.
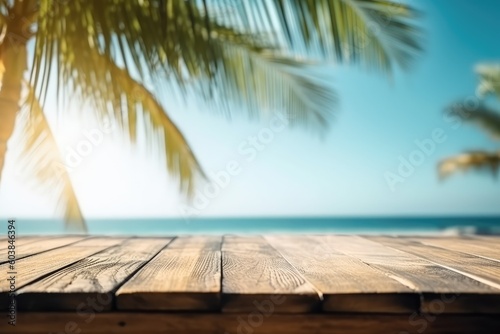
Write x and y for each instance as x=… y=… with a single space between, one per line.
x=449 y=226
x=363 y=175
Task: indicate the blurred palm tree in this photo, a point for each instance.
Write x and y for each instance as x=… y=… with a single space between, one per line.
x=230 y=53
x=487 y=118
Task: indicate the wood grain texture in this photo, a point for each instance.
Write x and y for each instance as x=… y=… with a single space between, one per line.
x=347 y=284
x=248 y=323
x=96 y=276
x=484 y=271
x=184 y=276
x=34 y=246
x=267 y=282
x=35 y=267
x=197 y=242
x=255 y=275
x=22 y=240
x=18 y=242
x=470 y=246
x=433 y=281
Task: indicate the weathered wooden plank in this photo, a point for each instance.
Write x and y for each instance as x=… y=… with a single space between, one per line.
x=18 y=242
x=30 y=247
x=464 y=245
x=492 y=240
x=262 y=322
x=34 y=267
x=23 y=240
x=484 y=271
x=347 y=284
x=96 y=276
x=197 y=242
x=254 y=274
x=184 y=276
x=436 y=283
x=481 y=269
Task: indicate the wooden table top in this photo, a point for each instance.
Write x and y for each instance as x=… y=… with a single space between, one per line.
x=289 y=283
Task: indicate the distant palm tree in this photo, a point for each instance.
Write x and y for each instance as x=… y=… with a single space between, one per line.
x=486 y=118
x=230 y=52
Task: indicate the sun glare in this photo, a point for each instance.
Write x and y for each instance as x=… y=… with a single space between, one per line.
x=102 y=169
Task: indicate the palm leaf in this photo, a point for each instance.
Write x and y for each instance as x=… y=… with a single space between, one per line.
x=482 y=116
x=87 y=44
x=88 y=67
x=113 y=92
x=139 y=104
x=39 y=160
x=263 y=83
x=489 y=79
x=181 y=40
x=477 y=160
x=104 y=52
x=379 y=34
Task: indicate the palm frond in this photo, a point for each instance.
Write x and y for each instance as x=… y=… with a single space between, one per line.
x=39 y=160
x=140 y=104
x=182 y=40
x=263 y=82
x=149 y=38
x=481 y=115
x=87 y=44
x=379 y=34
x=477 y=160
x=242 y=70
x=105 y=51
x=112 y=92
x=489 y=79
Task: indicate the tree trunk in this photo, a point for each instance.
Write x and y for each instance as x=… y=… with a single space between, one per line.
x=14 y=59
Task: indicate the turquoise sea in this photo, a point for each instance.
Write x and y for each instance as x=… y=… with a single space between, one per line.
x=304 y=225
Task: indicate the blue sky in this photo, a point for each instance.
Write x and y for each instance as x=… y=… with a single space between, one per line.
x=299 y=174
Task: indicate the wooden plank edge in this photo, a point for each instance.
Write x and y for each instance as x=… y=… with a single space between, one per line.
x=372 y=302
x=254 y=322
x=170 y=301
x=434 y=303
x=279 y=302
